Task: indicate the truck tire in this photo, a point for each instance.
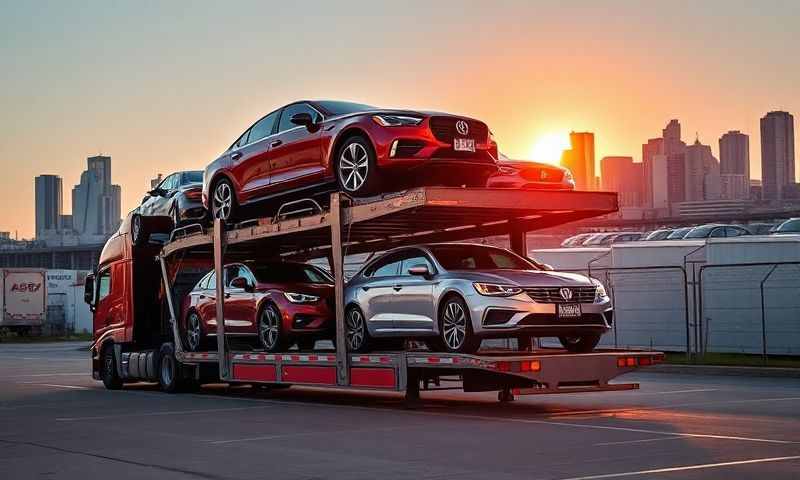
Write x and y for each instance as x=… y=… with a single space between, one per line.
x=580 y=343
x=108 y=369
x=170 y=371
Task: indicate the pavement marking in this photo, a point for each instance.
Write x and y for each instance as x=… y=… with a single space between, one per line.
x=303 y=434
x=50 y=375
x=155 y=414
x=684 y=468
x=646 y=440
x=55 y=385
x=693 y=390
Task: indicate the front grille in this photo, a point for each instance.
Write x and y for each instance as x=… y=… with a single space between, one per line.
x=553 y=294
x=444 y=129
x=546 y=319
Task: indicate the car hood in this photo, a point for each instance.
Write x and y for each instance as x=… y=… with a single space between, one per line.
x=318 y=289
x=420 y=113
x=527 y=278
x=528 y=164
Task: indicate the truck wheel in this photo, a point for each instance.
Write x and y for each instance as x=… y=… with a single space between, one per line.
x=455 y=327
x=170 y=374
x=109 y=373
x=580 y=343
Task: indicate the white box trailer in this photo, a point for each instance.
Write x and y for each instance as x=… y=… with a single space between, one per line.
x=24 y=300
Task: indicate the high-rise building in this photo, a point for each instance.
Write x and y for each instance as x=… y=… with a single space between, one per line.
x=48 y=193
x=96 y=204
x=671 y=136
x=701 y=173
x=734 y=154
x=622 y=175
x=580 y=160
x=734 y=187
x=653 y=147
x=777 y=154
x=660 y=184
x=676 y=178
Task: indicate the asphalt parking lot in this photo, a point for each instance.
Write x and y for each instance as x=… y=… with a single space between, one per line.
x=56 y=422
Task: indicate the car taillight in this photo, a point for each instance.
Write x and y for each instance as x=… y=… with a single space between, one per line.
x=194 y=194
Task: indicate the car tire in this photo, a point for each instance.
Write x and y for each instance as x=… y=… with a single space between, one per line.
x=108 y=372
x=455 y=328
x=271 y=336
x=356 y=330
x=357 y=168
x=580 y=343
x=139 y=233
x=223 y=201
x=194 y=332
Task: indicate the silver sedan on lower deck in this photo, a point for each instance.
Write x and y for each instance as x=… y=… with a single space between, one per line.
x=454 y=295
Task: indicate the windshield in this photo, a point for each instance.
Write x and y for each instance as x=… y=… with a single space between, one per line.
x=679 y=233
x=792 y=225
x=291 y=273
x=475 y=257
x=195 y=176
x=343 y=108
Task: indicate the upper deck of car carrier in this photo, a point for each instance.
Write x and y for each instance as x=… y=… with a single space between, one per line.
x=426 y=214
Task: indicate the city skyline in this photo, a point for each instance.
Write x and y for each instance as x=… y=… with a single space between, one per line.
x=149 y=85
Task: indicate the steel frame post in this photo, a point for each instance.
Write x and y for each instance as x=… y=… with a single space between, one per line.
x=171 y=306
x=219 y=267
x=337 y=253
x=518 y=240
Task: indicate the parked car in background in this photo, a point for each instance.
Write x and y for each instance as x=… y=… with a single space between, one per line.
x=626 y=237
x=789 y=226
x=679 y=233
x=280 y=303
x=576 y=240
x=761 y=228
x=530 y=175
x=359 y=148
x=660 y=234
x=608 y=238
x=716 y=231
x=178 y=196
x=454 y=295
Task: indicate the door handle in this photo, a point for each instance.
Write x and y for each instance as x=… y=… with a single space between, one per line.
x=275 y=143
x=227 y=295
x=202 y=297
x=397 y=288
x=236 y=155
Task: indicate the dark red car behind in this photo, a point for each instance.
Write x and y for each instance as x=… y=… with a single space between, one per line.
x=279 y=303
x=361 y=149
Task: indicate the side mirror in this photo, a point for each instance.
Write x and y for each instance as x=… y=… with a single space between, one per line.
x=241 y=282
x=303 y=119
x=419 y=270
x=156 y=192
x=547 y=267
x=88 y=291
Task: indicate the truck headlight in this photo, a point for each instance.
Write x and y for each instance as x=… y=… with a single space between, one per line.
x=300 y=297
x=496 y=290
x=396 y=120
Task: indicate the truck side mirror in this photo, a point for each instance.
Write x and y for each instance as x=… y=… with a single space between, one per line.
x=88 y=291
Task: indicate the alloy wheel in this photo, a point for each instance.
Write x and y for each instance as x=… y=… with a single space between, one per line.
x=355 y=329
x=269 y=327
x=454 y=326
x=167 y=370
x=223 y=201
x=193 y=332
x=353 y=167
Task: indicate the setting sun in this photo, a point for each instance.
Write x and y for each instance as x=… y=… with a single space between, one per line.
x=549 y=146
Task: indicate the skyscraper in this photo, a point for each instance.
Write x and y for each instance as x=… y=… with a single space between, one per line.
x=653 y=147
x=734 y=154
x=48 y=193
x=580 y=160
x=96 y=202
x=671 y=136
x=701 y=173
x=777 y=153
x=622 y=175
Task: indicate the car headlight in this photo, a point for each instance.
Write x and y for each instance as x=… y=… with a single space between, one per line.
x=600 y=292
x=496 y=290
x=396 y=120
x=300 y=297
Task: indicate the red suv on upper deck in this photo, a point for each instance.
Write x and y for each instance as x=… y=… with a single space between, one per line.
x=363 y=149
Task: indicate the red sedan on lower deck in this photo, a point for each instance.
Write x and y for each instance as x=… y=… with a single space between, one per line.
x=279 y=303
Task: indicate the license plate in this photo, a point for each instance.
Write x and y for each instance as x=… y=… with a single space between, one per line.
x=464 y=144
x=569 y=310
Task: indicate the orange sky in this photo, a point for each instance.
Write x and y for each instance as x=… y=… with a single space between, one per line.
x=162 y=89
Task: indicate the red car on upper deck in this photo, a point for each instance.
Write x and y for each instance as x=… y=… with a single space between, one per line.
x=362 y=149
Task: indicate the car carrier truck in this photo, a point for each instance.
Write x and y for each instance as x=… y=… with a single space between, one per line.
x=138 y=286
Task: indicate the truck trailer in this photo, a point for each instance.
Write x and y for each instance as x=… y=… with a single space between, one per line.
x=24 y=300
x=138 y=286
